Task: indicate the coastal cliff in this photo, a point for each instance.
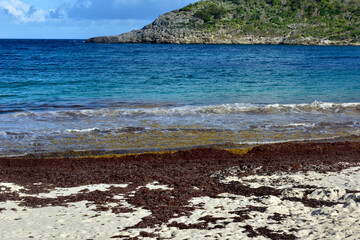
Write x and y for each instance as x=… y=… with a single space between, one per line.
x=314 y=22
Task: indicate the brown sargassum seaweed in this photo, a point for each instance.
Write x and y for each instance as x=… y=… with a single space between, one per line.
x=189 y=173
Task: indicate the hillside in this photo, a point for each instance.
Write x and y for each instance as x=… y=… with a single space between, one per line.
x=319 y=22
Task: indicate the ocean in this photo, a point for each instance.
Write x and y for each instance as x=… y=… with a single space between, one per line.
x=66 y=96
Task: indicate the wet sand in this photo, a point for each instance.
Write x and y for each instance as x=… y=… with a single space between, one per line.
x=277 y=191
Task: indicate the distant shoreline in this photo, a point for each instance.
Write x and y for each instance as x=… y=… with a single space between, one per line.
x=95 y=40
x=240 y=41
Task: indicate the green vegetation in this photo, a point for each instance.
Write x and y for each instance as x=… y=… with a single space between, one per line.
x=332 y=19
x=212 y=11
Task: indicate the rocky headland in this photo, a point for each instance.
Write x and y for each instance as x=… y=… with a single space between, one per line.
x=314 y=22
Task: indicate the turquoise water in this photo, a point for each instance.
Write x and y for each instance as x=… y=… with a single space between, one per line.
x=59 y=95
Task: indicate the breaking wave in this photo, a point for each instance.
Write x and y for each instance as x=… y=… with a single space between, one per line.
x=236 y=108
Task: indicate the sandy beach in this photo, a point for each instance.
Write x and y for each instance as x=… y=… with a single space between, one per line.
x=277 y=191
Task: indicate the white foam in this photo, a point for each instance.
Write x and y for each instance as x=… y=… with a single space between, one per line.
x=285 y=140
x=82 y=130
x=300 y=125
x=234 y=108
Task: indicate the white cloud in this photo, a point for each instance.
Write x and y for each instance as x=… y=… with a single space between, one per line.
x=78 y=18
x=23 y=12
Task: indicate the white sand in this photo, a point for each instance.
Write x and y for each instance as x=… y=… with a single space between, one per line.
x=340 y=221
x=156 y=186
x=61 y=192
x=78 y=221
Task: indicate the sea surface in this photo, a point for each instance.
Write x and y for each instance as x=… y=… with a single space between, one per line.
x=66 y=95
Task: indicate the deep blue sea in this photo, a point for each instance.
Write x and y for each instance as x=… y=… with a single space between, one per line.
x=62 y=95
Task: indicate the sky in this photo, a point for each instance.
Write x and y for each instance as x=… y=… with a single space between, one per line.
x=79 y=19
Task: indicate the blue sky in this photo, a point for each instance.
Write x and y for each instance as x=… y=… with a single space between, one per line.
x=79 y=19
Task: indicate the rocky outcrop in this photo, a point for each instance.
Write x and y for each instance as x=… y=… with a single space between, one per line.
x=222 y=37
x=183 y=27
x=138 y=36
x=168 y=28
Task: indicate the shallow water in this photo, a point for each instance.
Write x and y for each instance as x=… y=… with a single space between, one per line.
x=62 y=95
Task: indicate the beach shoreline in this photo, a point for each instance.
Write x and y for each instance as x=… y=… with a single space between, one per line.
x=274 y=191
